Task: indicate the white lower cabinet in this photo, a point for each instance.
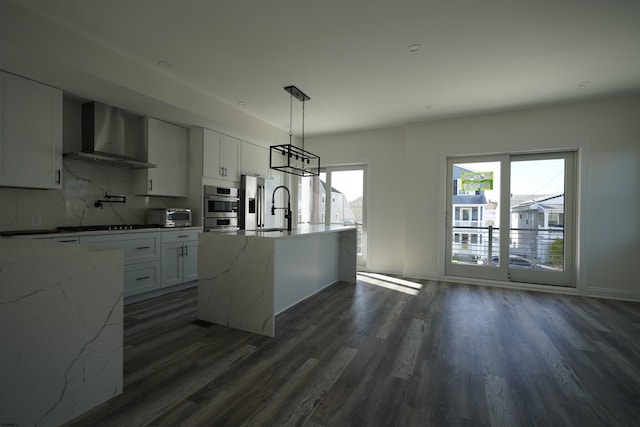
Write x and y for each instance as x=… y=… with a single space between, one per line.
x=179 y=257
x=140 y=278
x=142 y=261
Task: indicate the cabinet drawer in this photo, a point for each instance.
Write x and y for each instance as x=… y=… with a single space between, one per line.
x=140 y=278
x=138 y=247
x=179 y=236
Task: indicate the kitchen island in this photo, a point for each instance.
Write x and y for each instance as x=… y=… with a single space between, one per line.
x=246 y=278
x=61 y=330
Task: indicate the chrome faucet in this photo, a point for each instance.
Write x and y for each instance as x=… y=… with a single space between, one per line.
x=287 y=210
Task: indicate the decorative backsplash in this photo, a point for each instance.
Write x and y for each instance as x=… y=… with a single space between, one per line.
x=83 y=184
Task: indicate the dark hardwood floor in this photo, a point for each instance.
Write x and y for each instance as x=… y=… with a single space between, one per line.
x=365 y=355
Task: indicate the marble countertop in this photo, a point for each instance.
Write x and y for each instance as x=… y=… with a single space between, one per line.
x=12 y=250
x=301 y=230
x=52 y=233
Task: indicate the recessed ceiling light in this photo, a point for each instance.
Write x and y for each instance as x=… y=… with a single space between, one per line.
x=243 y=103
x=414 y=48
x=428 y=106
x=583 y=84
x=165 y=64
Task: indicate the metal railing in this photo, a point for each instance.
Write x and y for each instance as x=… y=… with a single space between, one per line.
x=528 y=247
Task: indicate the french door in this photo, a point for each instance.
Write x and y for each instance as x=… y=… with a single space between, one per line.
x=336 y=196
x=512 y=218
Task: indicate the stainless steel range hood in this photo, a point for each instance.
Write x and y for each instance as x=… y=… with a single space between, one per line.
x=111 y=136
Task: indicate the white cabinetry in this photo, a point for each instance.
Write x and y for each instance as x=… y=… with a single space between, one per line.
x=179 y=257
x=220 y=156
x=255 y=160
x=141 y=258
x=30 y=133
x=167 y=146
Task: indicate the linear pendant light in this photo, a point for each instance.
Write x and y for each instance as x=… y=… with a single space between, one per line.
x=289 y=158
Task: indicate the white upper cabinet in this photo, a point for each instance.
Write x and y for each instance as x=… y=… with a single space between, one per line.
x=167 y=146
x=255 y=160
x=220 y=156
x=30 y=133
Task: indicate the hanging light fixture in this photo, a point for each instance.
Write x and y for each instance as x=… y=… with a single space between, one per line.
x=289 y=158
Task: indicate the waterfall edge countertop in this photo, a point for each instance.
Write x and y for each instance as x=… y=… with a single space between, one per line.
x=18 y=250
x=301 y=230
x=61 y=311
x=246 y=278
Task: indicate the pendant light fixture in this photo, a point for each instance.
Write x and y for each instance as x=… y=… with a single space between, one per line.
x=289 y=158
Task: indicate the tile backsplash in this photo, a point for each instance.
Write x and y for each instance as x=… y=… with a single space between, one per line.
x=83 y=184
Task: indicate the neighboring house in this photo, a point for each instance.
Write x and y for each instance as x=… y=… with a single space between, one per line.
x=469 y=210
x=312 y=204
x=537 y=223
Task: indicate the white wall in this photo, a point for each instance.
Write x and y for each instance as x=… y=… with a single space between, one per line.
x=39 y=49
x=383 y=153
x=408 y=170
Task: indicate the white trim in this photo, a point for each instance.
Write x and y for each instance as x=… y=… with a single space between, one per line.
x=617 y=294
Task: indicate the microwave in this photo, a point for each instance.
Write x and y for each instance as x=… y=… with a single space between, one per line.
x=220 y=208
x=220 y=202
x=170 y=217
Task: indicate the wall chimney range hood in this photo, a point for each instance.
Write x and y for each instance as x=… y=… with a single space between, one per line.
x=111 y=136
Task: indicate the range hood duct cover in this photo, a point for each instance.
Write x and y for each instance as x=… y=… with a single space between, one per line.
x=111 y=136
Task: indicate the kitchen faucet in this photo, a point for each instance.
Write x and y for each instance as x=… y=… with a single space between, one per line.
x=287 y=213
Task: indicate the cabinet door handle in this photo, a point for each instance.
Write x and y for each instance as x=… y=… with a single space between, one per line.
x=142 y=278
x=181 y=250
x=183 y=236
x=186 y=250
x=59 y=179
x=142 y=247
x=68 y=241
x=150 y=185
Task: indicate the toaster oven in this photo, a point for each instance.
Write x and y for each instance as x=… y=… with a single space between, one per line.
x=170 y=217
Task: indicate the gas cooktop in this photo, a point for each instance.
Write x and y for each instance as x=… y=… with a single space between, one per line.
x=112 y=227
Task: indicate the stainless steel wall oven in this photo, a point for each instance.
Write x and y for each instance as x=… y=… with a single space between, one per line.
x=220 y=208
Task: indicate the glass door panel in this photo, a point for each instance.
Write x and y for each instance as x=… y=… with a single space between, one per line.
x=473 y=222
x=541 y=188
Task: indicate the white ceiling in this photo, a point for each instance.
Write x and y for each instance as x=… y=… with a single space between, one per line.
x=351 y=56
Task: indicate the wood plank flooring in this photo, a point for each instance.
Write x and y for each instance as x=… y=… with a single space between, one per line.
x=365 y=355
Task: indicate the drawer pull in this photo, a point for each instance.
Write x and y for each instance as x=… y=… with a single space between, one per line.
x=143 y=247
x=67 y=241
x=143 y=277
x=183 y=235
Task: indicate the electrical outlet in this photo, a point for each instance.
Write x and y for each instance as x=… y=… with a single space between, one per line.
x=36 y=220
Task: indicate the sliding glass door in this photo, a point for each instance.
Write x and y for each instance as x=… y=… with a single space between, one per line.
x=518 y=208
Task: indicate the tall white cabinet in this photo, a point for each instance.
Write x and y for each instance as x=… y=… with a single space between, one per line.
x=30 y=133
x=167 y=146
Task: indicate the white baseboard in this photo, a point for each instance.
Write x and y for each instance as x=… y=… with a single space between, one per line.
x=619 y=294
